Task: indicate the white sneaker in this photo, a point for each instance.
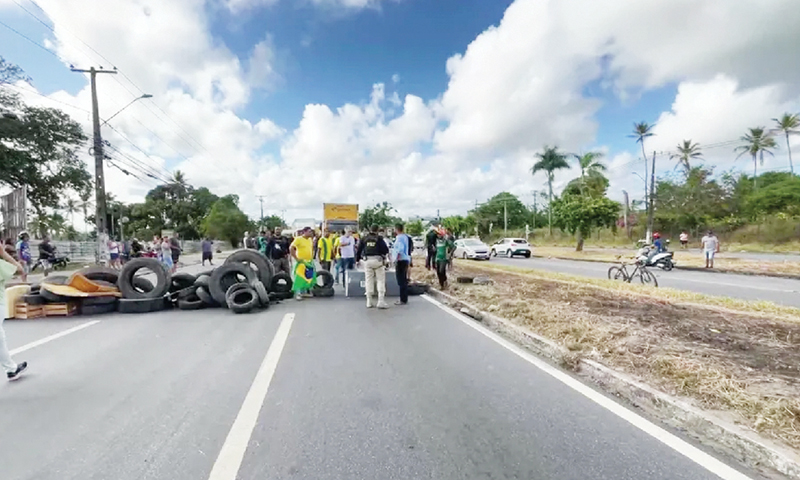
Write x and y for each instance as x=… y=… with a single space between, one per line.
x=382 y=305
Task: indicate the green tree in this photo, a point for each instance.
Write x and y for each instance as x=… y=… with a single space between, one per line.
x=779 y=197
x=497 y=209
x=272 y=222
x=756 y=143
x=226 y=221
x=85 y=195
x=686 y=153
x=590 y=166
x=593 y=186
x=381 y=215
x=415 y=228
x=691 y=203
x=71 y=207
x=580 y=215
x=789 y=124
x=550 y=160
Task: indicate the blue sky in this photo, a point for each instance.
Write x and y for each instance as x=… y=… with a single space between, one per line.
x=521 y=84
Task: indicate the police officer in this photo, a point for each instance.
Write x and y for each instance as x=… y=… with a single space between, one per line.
x=374 y=251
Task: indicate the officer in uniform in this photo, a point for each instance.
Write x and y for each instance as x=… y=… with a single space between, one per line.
x=373 y=250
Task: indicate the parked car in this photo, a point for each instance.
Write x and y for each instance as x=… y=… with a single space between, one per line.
x=512 y=246
x=471 y=248
x=419 y=243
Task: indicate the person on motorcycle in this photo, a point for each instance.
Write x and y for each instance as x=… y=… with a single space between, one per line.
x=658 y=244
x=47 y=252
x=24 y=251
x=136 y=248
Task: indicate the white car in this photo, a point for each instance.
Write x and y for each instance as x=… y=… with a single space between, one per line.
x=512 y=246
x=471 y=248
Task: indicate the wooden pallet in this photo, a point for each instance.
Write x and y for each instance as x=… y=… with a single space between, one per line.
x=61 y=309
x=27 y=312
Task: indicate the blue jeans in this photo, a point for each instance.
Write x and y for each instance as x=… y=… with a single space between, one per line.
x=344 y=264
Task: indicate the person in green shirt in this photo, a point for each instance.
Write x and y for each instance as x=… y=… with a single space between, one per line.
x=444 y=246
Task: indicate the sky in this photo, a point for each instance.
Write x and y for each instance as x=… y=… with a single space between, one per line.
x=428 y=105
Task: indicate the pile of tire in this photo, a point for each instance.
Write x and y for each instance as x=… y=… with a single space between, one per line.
x=86 y=305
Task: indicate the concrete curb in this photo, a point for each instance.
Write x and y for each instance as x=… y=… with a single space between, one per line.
x=723 y=436
x=679 y=267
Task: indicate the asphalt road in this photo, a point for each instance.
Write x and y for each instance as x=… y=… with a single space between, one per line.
x=783 y=291
x=319 y=389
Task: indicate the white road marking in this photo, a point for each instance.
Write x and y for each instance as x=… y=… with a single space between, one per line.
x=693 y=453
x=55 y=336
x=226 y=467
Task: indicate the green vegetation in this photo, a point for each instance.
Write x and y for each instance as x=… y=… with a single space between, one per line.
x=381 y=215
x=226 y=221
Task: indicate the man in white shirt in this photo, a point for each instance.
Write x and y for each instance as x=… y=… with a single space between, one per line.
x=710 y=245
x=347 y=248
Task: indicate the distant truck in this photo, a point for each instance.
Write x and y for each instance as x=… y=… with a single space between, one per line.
x=340 y=216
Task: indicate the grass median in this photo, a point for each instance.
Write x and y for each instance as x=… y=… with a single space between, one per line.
x=728 y=355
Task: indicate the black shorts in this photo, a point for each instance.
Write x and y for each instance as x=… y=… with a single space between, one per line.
x=684 y=242
x=175 y=257
x=207 y=255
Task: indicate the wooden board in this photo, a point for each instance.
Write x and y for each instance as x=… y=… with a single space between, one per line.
x=27 y=312
x=61 y=309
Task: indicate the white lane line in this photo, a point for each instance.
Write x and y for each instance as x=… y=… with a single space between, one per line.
x=55 y=336
x=693 y=453
x=230 y=456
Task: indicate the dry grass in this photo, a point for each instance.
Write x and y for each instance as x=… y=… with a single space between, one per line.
x=725 y=262
x=739 y=357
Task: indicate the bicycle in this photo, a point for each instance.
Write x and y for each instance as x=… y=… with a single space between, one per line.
x=621 y=273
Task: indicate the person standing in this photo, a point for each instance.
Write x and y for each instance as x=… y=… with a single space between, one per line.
x=8 y=267
x=347 y=248
x=302 y=251
x=443 y=249
x=430 y=248
x=710 y=244
x=24 y=251
x=373 y=250
x=261 y=242
x=113 y=254
x=47 y=253
x=207 y=248
x=166 y=254
x=684 y=238
x=401 y=255
x=325 y=250
x=337 y=256
x=278 y=252
x=176 y=250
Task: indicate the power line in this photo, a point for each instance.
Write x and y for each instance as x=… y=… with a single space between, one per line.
x=45 y=96
x=30 y=40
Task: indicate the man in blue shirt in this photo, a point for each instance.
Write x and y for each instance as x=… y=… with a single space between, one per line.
x=401 y=255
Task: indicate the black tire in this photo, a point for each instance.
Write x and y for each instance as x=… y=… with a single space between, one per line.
x=94 y=301
x=142 y=284
x=141 y=305
x=326 y=278
x=464 y=279
x=616 y=273
x=528 y=255
x=35 y=287
x=226 y=276
x=667 y=265
x=183 y=293
x=202 y=280
x=181 y=281
x=103 y=274
x=207 y=273
x=281 y=283
x=242 y=299
x=261 y=290
x=647 y=278
x=191 y=302
x=417 y=289
x=278 y=296
x=323 y=292
x=50 y=297
x=202 y=293
x=33 y=299
x=98 y=309
x=56 y=280
x=128 y=273
x=493 y=253
x=258 y=262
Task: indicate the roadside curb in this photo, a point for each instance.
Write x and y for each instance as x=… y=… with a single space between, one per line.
x=725 y=437
x=679 y=267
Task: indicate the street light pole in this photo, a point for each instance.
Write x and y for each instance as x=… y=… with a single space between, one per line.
x=146 y=95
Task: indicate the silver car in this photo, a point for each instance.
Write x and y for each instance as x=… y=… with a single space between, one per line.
x=471 y=248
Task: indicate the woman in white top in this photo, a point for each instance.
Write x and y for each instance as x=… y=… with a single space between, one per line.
x=113 y=254
x=166 y=254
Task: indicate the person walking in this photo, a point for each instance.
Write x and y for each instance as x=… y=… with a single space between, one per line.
x=684 y=238
x=373 y=250
x=430 y=248
x=401 y=255
x=8 y=267
x=443 y=249
x=207 y=247
x=278 y=252
x=302 y=251
x=24 y=251
x=325 y=250
x=175 y=251
x=710 y=244
x=347 y=248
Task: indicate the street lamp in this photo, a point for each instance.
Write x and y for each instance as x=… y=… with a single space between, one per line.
x=146 y=95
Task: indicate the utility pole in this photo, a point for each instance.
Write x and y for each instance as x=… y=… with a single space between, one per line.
x=99 y=178
x=505 y=217
x=652 y=199
x=261 y=201
x=625 y=213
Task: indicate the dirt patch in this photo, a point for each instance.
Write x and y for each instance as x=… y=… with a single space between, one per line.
x=742 y=362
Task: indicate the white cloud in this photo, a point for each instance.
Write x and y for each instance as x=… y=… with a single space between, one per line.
x=395 y=78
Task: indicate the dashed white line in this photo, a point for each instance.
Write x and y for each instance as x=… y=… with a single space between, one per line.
x=226 y=467
x=55 y=336
x=693 y=453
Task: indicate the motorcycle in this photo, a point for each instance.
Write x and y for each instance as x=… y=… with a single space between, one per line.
x=650 y=258
x=58 y=262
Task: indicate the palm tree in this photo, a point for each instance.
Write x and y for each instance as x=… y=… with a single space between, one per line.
x=71 y=206
x=641 y=131
x=550 y=160
x=789 y=123
x=86 y=202
x=687 y=151
x=590 y=165
x=756 y=143
x=178 y=185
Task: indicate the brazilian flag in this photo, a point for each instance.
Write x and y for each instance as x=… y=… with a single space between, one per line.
x=305 y=276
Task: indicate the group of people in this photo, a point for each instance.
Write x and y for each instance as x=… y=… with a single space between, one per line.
x=20 y=251
x=709 y=244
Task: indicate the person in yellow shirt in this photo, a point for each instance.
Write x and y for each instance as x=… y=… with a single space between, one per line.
x=302 y=251
x=325 y=250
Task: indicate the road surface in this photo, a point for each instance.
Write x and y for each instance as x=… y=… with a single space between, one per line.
x=783 y=291
x=319 y=389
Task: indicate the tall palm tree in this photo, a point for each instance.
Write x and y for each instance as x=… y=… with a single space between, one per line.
x=178 y=185
x=756 y=143
x=86 y=202
x=590 y=165
x=789 y=123
x=641 y=131
x=550 y=160
x=687 y=151
x=71 y=206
